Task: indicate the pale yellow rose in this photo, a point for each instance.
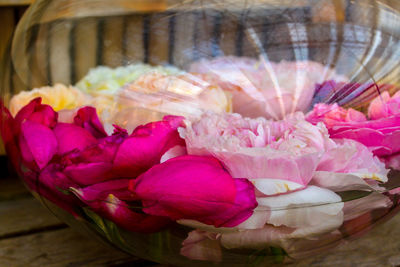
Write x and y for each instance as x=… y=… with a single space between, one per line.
x=58 y=97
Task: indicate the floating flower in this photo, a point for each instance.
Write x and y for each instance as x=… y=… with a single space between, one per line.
x=58 y=97
x=380 y=135
x=195 y=187
x=155 y=94
x=277 y=157
x=107 y=81
x=146 y=146
x=267 y=89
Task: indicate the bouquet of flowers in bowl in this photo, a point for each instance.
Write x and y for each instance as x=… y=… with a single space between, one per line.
x=230 y=161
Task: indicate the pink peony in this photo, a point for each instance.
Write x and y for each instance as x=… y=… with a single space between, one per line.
x=195 y=187
x=277 y=157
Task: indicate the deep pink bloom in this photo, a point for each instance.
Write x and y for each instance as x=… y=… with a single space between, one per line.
x=197 y=188
x=94 y=163
x=146 y=145
x=109 y=199
x=87 y=118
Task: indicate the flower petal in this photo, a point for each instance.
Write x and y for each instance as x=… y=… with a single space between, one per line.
x=89 y=173
x=72 y=137
x=195 y=187
x=39 y=143
x=87 y=118
x=145 y=147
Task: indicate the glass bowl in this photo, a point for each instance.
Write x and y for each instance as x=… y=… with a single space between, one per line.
x=242 y=133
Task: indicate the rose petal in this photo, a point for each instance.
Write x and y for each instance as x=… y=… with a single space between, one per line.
x=89 y=173
x=87 y=118
x=100 y=191
x=189 y=187
x=39 y=143
x=145 y=147
x=72 y=137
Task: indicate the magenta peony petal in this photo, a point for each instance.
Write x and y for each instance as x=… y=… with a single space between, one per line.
x=39 y=143
x=145 y=147
x=53 y=185
x=87 y=118
x=7 y=134
x=35 y=111
x=121 y=214
x=72 y=137
x=195 y=187
x=100 y=191
x=89 y=173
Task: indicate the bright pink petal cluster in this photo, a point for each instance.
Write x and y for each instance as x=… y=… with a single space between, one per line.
x=79 y=156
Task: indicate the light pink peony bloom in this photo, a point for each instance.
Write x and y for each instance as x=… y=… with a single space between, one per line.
x=267 y=89
x=197 y=188
x=277 y=157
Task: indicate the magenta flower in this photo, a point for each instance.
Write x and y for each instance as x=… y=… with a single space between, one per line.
x=146 y=145
x=197 y=188
x=111 y=199
x=53 y=185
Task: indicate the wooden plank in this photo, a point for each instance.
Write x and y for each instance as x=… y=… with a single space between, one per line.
x=23 y=216
x=58 y=248
x=12 y=188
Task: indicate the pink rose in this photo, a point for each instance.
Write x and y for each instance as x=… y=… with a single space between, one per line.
x=264 y=88
x=197 y=188
x=384 y=106
x=380 y=135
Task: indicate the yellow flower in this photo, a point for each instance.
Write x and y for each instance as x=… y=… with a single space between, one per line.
x=58 y=97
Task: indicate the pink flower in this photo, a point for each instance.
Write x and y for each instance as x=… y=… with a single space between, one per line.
x=350 y=166
x=110 y=199
x=264 y=88
x=333 y=114
x=381 y=136
x=146 y=145
x=277 y=157
x=197 y=188
x=32 y=130
x=384 y=106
